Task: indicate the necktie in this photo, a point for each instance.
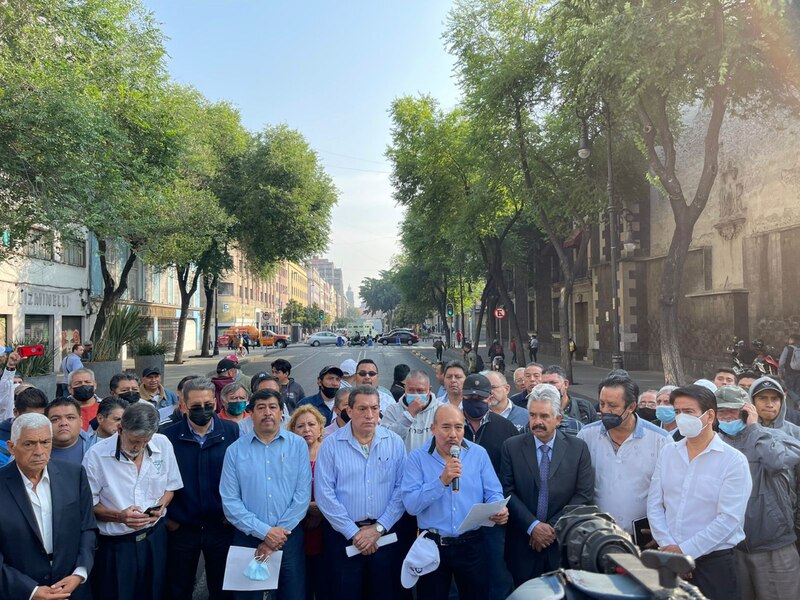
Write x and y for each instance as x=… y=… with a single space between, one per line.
x=544 y=472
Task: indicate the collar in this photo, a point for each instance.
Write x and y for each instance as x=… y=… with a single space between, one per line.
x=346 y=433
x=432 y=447
x=539 y=443
x=253 y=437
x=118 y=451
x=484 y=419
x=638 y=431
x=195 y=433
x=27 y=482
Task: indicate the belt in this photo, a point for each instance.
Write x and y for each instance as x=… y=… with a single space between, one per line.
x=465 y=538
x=715 y=554
x=136 y=536
x=366 y=522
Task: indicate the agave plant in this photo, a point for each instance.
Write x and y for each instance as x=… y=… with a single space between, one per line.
x=147 y=348
x=122 y=327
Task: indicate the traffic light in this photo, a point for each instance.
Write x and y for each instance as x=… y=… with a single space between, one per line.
x=321 y=314
x=449 y=309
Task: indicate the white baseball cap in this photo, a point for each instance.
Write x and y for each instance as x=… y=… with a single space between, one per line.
x=709 y=385
x=348 y=367
x=422 y=558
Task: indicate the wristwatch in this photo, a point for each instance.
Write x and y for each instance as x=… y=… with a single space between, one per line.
x=380 y=528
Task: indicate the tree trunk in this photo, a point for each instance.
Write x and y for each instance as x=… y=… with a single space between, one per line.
x=112 y=291
x=491 y=250
x=209 y=288
x=564 y=300
x=491 y=320
x=671 y=278
x=187 y=285
x=484 y=295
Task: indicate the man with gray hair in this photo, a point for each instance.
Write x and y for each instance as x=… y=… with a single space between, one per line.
x=412 y=415
x=83 y=387
x=500 y=403
x=542 y=471
x=549 y=393
x=133 y=476
x=47 y=529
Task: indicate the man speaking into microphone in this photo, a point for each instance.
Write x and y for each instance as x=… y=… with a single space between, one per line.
x=441 y=483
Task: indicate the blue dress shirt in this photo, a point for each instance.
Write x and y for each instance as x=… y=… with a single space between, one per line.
x=266 y=485
x=350 y=486
x=538 y=462
x=437 y=507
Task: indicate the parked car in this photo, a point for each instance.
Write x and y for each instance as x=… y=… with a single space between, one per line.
x=270 y=338
x=405 y=337
x=322 y=338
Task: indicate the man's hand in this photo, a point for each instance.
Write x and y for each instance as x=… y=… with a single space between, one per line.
x=45 y=593
x=365 y=539
x=542 y=536
x=134 y=518
x=276 y=537
x=674 y=548
x=452 y=469
x=416 y=405
x=752 y=414
x=13 y=360
x=155 y=515
x=500 y=518
x=69 y=584
x=263 y=551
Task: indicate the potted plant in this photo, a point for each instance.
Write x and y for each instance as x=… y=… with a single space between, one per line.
x=122 y=328
x=149 y=354
x=38 y=370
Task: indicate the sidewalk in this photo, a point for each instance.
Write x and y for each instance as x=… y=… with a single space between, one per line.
x=586 y=376
x=197 y=365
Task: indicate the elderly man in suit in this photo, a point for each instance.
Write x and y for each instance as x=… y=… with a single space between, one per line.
x=543 y=471
x=47 y=527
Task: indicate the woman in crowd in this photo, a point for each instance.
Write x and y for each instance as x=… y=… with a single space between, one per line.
x=308 y=423
x=234 y=398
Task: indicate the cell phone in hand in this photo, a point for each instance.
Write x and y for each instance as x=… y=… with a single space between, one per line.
x=26 y=351
x=149 y=512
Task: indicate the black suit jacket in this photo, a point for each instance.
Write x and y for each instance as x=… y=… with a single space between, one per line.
x=570 y=481
x=23 y=560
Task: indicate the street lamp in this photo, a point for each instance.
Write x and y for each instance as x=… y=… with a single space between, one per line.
x=584 y=151
x=216 y=320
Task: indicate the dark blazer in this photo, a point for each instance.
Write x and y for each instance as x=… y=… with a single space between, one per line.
x=198 y=502
x=23 y=561
x=570 y=481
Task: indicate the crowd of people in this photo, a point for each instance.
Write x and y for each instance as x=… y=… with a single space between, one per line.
x=363 y=490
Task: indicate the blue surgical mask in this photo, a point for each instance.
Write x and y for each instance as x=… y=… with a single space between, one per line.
x=665 y=414
x=411 y=397
x=734 y=427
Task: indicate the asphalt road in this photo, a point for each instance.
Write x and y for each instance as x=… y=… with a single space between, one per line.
x=306 y=362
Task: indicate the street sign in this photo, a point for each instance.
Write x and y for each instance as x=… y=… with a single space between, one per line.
x=500 y=313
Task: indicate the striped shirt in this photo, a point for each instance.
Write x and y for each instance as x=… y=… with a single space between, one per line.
x=351 y=485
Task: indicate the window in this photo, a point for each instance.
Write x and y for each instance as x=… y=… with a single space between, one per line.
x=225 y=288
x=556 y=322
x=40 y=246
x=73 y=252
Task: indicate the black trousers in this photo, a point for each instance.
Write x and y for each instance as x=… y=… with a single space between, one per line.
x=463 y=562
x=373 y=576
x=717 y=575
x=127 y=569
x=184 y=546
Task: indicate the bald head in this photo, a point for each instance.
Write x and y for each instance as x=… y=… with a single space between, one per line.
x=447 y=411
x=447 y=428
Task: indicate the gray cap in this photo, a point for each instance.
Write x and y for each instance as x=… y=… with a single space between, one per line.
x=731 y=396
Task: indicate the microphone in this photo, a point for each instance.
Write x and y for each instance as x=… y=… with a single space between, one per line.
x=455 y=451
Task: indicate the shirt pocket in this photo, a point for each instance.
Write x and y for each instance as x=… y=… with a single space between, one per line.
x=707 y=488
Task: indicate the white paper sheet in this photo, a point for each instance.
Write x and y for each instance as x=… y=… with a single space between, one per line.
x=479 y=515
x=390 y=538
x=238 y=559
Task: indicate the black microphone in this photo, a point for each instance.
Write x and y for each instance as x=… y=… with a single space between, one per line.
x=455 y=451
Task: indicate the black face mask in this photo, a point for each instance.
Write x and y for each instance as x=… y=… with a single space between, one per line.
x=201 y=415
x=612 y=421
x=345 y=416
x=82 y=393
x=328 y=392
x=130 y=397
x=475 y=409
x=648 y=414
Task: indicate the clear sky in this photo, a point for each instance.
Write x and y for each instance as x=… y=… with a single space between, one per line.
x=329 y=69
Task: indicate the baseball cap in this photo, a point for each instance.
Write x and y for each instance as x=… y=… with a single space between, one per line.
x=330 y=369
x=232 y=357
x=225 y=364
x=151 y=371
x=348 y=367
x=477 y=385
x=766 y=383
x=709 y=385
x=731 y=396
x=422 y=558
x=258 y=378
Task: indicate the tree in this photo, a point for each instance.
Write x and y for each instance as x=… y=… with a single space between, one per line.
x=293 y=312
x=380 y=295
x=652 y=60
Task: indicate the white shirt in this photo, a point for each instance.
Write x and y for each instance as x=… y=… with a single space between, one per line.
x=42 y=504
x=699 y=505
x=330 y=428
x=623 y=477
x=116 y=483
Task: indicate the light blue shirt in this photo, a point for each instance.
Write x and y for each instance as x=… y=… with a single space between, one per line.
x=437 y=507
x=266 y=485
x=351 y=486
x=200 y=439
x=538 y=462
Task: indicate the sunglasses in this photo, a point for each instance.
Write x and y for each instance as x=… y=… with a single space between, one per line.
x=367 y=373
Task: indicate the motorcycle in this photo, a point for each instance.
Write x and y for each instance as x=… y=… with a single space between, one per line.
x=735 y=350
x=764 y=362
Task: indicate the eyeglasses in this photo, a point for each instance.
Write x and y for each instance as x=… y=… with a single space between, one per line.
x=367 y=373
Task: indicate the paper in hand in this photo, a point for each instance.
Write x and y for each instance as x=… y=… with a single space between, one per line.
x=239 y=558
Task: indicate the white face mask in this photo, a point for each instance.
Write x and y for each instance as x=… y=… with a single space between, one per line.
x=689 y=425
